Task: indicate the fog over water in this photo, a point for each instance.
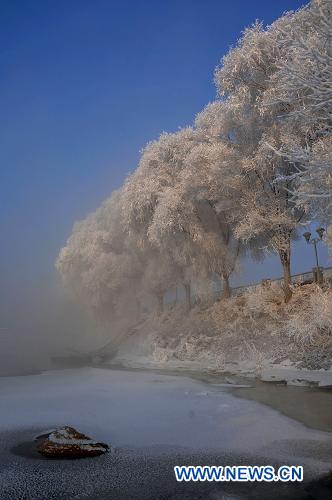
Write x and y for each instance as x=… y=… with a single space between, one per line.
x=41 y=319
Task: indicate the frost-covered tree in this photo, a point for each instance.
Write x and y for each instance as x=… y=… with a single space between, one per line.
x=255 y=163
x=98 y=262
x=266 y=209
x=193 y=216
x=160 y=166
x=161 y=274
x=301 y=89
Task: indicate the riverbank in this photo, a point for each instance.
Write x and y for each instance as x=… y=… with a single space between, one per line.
x=255 y=335
x=279 y=373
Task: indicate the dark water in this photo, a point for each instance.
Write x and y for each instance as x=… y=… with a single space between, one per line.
x=312 y=407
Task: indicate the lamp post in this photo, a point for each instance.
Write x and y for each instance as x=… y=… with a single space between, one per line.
x=318 y=272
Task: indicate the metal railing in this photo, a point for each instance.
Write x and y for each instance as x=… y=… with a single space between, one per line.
x=296 y=279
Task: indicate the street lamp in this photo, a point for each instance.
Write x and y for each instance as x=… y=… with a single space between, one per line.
x=318 y=273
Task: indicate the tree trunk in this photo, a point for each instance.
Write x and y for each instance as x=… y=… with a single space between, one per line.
x=227 y=291
x=188 y=296
x=285 y=262
x=160 y=298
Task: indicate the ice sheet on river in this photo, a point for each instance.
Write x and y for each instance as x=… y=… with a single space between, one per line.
x=142 y=415
x=143 y=409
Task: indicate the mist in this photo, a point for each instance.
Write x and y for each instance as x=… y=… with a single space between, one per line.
x=42 y=323
x=41 y=318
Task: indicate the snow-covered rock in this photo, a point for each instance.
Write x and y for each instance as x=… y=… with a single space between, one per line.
x=67 y=442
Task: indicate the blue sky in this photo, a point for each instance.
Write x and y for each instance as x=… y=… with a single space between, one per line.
x=84 y=85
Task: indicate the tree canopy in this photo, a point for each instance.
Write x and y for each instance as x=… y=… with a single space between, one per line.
x=255 y=163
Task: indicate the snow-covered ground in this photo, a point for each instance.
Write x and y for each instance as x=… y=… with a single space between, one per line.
x=163 y=414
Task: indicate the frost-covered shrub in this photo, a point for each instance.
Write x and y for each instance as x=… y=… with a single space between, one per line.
x=265 y=299
x=255 y=355
x=220 y=361
x=309 y=315
x=230 y=316
x=160 y=355
x=255 y=327
x=317 y=358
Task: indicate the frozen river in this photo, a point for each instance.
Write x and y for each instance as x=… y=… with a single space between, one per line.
x=153 y=421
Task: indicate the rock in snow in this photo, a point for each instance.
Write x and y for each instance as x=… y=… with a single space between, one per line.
x=67 y=442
